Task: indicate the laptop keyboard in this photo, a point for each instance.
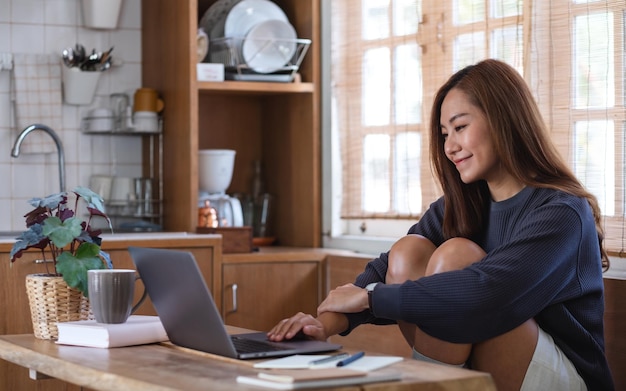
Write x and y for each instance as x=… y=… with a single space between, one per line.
x=245 y=345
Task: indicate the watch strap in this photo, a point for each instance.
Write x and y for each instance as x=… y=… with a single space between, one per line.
x=370 y=289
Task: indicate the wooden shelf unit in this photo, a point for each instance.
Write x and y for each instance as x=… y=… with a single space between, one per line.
x=277 y=123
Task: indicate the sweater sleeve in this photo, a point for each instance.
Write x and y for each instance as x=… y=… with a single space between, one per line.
x=513 y=283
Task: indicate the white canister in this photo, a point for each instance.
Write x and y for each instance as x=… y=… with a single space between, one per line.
x=146 y=121
x=215 y=169
x=101 y=120
x=101 y=14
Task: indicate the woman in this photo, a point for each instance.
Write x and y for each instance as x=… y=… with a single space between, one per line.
x=504 y=272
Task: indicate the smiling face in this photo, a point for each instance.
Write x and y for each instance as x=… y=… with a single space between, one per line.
x=469 y=145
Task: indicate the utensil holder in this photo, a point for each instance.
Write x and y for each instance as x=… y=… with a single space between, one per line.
x=101 y=14
x=79 y=86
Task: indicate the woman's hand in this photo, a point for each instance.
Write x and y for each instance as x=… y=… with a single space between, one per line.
x=330 y=320
x=286 y=329
x=320 y=328
x=345 y=299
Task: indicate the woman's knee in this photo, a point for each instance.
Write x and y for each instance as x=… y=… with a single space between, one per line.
x=408 y=258
x=454 y=254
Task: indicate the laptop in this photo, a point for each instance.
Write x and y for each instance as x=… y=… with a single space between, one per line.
x=191 y=318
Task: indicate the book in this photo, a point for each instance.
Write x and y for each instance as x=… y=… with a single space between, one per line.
x=300 y=375
x=138 y=330
x=303 y=361
x=296 y=379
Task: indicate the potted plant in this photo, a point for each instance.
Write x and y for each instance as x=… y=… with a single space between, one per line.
x=73 y=246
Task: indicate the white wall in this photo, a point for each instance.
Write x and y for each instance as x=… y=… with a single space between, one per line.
x=48 y=26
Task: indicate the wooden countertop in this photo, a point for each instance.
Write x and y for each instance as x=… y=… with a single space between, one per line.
x=123 y=240
x=278 y=253
x=168 y=367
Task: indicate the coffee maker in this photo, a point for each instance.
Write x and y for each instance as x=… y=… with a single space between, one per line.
x=215 y=167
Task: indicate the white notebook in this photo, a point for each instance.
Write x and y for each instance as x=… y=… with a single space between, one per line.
x=302 y=361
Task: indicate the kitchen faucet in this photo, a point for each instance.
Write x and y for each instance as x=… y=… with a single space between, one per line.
x=15 y=152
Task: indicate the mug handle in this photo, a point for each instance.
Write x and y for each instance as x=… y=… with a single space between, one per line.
x=142 y=299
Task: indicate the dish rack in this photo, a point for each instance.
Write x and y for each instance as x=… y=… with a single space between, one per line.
x=228 y=51
x=133 y=214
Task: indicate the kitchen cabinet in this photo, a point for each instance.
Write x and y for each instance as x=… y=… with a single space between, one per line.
x=276 y=123
x=16 y=319
x=260 y=289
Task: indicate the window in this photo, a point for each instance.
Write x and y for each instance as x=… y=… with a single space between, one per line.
x=389 y=57
x=583 y=97
x=381 y=116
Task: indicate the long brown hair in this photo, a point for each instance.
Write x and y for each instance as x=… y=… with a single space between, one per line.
x=521 y=142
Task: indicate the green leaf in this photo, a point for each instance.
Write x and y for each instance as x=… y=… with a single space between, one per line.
x=93 y=199
x=33 y=237
x=74 y=268
x=62 y=233
x=88 y=250
x=51 y=202
x=95 y=203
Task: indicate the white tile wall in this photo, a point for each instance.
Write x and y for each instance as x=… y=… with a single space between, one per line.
x=48 y=26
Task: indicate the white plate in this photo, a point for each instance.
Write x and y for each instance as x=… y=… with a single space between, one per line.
x=269 y=46
x=248 y=13
x=216 y=15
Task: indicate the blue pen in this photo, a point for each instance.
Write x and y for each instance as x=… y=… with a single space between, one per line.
x=350 y=359
x=328 y=359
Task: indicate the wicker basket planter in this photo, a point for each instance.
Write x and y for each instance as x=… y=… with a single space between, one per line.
x=52 y=301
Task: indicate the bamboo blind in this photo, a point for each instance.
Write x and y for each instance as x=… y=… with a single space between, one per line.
x=571 y=52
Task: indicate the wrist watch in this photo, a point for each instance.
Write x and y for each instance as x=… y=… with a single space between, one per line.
x=370 y=288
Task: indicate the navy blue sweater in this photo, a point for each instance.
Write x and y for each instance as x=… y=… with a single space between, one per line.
x=543 y=262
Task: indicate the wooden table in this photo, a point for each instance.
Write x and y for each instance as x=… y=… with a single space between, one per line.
x=168 y=367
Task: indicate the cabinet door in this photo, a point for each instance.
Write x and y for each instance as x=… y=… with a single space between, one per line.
x=258 y=295
x=15 y=319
